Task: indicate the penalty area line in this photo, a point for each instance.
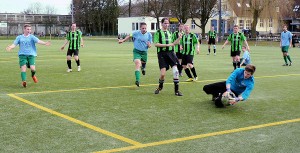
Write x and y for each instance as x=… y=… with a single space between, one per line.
x=87 y=125
x=200 y=136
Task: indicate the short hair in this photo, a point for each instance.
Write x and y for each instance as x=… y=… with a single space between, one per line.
x=244 y=47
x=284 y=25
x=236 y=25
x=142 y=23
x=26 y=25
x=164 y=19
x=250 y=68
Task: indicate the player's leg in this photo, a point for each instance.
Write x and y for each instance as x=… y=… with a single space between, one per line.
x=69 y=63
x=208 y=48
x=23 y=65
x=186 y=69
x=76 y=57
x=193 y=70
x=163 y=68
x=137 y=73
x=215 y=89
x=173 y=61
x=237 y=60
x=144 y=59
x=31 y=61
x=214 y=46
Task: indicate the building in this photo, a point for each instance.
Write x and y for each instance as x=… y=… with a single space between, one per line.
x=42 y=24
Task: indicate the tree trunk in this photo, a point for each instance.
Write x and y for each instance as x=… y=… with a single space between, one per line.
x=254 y=23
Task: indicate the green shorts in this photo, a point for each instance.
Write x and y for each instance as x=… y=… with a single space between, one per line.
x=142 y=55
x=26 y=60
x=285 y=48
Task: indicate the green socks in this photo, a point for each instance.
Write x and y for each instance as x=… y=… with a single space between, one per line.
x=137 y=75
x=23 y=76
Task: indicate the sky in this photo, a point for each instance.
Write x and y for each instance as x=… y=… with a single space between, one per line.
x=17 y=6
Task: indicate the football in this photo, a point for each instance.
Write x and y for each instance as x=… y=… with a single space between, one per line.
x=227 y=97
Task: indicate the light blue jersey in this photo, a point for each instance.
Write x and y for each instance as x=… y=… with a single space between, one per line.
x=26 y=44
x=247 y=58
x=239 y=84
x=286 y=37
x=140 y=40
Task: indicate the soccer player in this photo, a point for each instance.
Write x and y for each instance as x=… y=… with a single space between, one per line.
x=236 y=38
x=246 y=57
x=188 y=43
x=212 y=39
x=240 y=82
x=74 y=38
x=166 y=56
x=141 y=41
x=285 y=43
x=27 y=53
x=177 y=47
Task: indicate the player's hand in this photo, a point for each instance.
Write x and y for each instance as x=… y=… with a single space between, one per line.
x=198 y=51
x=82 y=45
x=48 y=43
x=120 y=41
x=149 y=44
x=232 y=102
x=223 y=47
x=8 y=48
x=62 y=48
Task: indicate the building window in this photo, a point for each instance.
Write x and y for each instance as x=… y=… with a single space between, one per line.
x=248 y=24
x=133 y=26
x=241 y=23
x=153 y=26
x=193 y=24
x=270 y=23
x=261 y=23
x=136 y=26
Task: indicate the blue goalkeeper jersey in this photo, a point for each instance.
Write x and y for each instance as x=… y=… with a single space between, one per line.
x=27 y=44
x=239 y=84
x=286 y=37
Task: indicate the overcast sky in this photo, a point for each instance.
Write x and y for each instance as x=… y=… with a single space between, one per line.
x=17 y=6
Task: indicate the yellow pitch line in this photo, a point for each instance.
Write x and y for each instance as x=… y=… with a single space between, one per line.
x=147 y=85
x=87 y=125
x=199 y=136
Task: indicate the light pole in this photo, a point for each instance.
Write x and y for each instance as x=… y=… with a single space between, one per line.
x=72 y=11
x=220 y=20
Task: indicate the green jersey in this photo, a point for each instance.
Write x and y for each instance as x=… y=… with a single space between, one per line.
x=175 y=37
x=74 y=39
x=189 y=42
x=212 y=34
x=163 y=37
x=236 y=41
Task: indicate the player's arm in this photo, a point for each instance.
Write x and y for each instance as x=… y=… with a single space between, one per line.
x=291 y=39
x=10 y=47
x=81 y=42
x=48 y=43
x=247 y=45
x=125 y=39
x=63 y=46
x=225 y=43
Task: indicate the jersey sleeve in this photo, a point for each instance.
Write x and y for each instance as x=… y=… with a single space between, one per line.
x=248 y=90
x=156 y=37
x=195 y=39
x=17 y=41
x=243 y=37
x=229 y=37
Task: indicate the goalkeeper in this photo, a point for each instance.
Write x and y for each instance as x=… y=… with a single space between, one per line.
x=240 y=82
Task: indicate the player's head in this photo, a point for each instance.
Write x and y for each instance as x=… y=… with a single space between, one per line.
x=27 y=29
x=165 y=23
x=187 y=29
x=143 y=27
x=249 y=71
x=284 y=27
x=181 y=27
x=73 y=26
x=212 y=28
x=236 y=28
x=244 y=48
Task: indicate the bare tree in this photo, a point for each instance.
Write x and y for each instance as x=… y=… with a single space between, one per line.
x=50 y=10
x=202 y=10
x=255 y=9
x=181 y=9
x=157 y=7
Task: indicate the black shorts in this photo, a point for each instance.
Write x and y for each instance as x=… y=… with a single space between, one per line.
x=235 y=53
x=166 y=59
x=179 y=55
x=187 y=59
x=72 y=52
x=211 y=41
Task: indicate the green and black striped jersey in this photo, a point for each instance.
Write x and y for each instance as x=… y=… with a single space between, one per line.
x=74 y=39
x=189 y=42
x=163 y=37
x=236 y=41
x=175 y=37
x=212 y=34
